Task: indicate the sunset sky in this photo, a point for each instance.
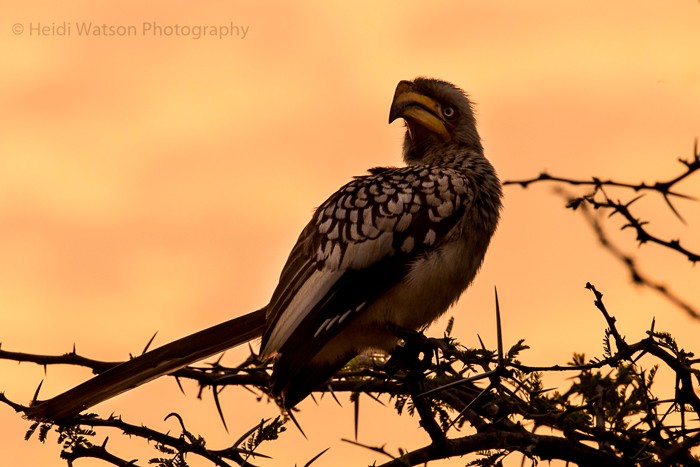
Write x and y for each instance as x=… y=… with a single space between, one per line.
x=156 y=182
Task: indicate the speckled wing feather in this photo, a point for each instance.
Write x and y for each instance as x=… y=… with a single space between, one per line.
x=360 y=243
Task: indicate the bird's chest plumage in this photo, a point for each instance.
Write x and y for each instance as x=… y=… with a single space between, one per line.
x=437 y=278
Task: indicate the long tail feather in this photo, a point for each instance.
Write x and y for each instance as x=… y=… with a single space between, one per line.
x=158 y=362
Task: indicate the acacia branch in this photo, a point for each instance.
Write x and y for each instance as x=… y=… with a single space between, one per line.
x=598 y=199
x=497 y=414
x=636 y=274
x=543 y=446
x=664 y=188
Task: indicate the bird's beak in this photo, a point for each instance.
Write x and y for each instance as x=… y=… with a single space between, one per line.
x=417 y=110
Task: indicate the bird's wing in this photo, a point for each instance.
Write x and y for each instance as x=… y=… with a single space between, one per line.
x=358 y=244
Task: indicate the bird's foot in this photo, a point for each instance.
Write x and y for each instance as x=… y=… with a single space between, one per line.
x=414 y=354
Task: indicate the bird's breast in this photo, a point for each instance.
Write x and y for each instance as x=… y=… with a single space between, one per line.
x=434 y=282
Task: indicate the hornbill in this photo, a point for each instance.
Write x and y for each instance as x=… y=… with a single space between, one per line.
x=389 y=250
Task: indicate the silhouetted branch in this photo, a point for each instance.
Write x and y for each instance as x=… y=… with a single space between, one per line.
x=76 y=441
x=615 y=410
x=543 y=446
x=691 y=165
x=599 y=200
x=637 y=276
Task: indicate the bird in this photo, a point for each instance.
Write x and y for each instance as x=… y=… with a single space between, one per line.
x=390 y=250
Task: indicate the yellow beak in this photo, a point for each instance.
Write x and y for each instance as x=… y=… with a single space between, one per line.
x=416 y=108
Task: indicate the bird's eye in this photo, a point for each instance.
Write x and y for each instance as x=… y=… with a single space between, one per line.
x=448 y=112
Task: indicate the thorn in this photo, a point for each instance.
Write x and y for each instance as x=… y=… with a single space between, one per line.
x=682 y=196
x=330 y=389
x=36 y=393
x=217 y=363
x=541 y=391
x=633 y=200
x=313 y=459
x=179 y=384
x=150 y=341
x=468 y=406
x=376 y=398
x=357 y=414
x=673 y=209
x=483 y=347
x=499 y=333
x=294 y=420
x=215 y=392
x=458 y=382
x=179 y=419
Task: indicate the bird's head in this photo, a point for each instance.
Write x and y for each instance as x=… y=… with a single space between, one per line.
x=436 y=113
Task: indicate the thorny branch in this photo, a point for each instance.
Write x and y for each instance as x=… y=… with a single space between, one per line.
x=75 y=438
x=637 y=276
x=665 y=188
x=599 y=200
x=631 y=424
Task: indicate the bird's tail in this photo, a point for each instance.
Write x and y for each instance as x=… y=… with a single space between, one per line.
x=158 y=362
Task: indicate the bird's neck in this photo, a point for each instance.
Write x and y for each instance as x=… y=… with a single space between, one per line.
x=448 y=155
x=433 y=152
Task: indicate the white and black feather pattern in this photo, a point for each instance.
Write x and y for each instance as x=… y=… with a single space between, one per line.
x=377 y=225
x=398 y=211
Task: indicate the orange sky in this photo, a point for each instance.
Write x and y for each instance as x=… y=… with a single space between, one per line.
x=156 y=183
